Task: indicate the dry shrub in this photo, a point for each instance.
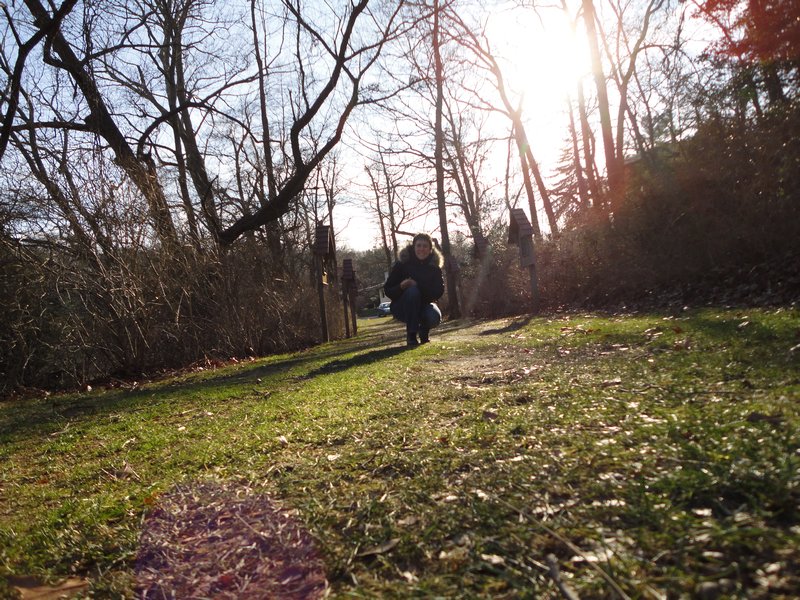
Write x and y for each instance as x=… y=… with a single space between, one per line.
x=714 y=219
x=69 y=320
x=495 y=285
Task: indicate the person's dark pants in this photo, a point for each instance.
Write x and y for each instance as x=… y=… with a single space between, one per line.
x=419 y=317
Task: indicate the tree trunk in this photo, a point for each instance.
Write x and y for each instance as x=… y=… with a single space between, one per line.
x=526 y=179
x=612 y=163
x=460 y=173
x=168 y=56
x=453 y=309
x=273 y=228
x=272 y=186
x=773 y=84
x=391 y=209
x=588 y=155
x=537 y=175
x=583 y=191
x=384 y=239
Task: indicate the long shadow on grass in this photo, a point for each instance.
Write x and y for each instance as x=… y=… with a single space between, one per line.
x=513 y=326
x=445 y=327
x=19 y=420
x=378 y=354
x=731 y=328
x=335 y=366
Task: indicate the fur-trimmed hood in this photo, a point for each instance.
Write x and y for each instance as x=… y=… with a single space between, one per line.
x=407 y=254
x=427 y=275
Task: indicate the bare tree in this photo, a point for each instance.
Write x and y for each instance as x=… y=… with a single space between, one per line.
x=613 y=163
x=583 y=188
x=452 y=294
x=388 y=233
x=386 y=185
x=139 y=166
x=623 y=60
x=325 y=92
x=349 y=61
x=466 y=148
x=481 y=49
x=10 y=96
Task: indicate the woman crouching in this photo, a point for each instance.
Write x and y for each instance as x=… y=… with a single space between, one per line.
x=414 y=285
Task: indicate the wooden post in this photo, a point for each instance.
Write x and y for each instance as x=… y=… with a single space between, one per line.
x=452 y=268
x=323 y=317
x=520 y=233
x=349 y=294
x=346 y=310
x=324 y=251
x=353 y=308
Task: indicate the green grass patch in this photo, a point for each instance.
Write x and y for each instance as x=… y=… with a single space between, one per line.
x=655 y=453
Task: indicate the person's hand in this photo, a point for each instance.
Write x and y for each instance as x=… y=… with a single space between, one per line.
x=407 y=283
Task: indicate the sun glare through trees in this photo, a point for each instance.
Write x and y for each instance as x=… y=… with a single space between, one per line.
x=545 y=59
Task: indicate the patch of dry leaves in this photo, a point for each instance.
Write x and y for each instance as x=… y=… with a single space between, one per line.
x=224 y=540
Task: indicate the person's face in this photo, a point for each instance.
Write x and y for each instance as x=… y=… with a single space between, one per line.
x=422 y=249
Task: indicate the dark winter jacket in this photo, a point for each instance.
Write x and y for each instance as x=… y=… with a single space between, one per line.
x=427 y=274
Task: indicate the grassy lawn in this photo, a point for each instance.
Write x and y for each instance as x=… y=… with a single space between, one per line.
x=653 y=456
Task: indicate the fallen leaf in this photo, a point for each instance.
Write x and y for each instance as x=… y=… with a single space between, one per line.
x=610 y=382
x=379 y=549
x=31 y=589
x=493 y=559
x=457 y=554
x=517 y=458
x=290 y=574
x=128 y=471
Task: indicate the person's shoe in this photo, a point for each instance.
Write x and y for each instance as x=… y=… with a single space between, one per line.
x=411 y=340
x=424 y=338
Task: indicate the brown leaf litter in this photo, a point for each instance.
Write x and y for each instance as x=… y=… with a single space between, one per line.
x=224 y=540
x=30 y=588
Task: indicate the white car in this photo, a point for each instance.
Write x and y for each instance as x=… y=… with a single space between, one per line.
x=383 y=309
